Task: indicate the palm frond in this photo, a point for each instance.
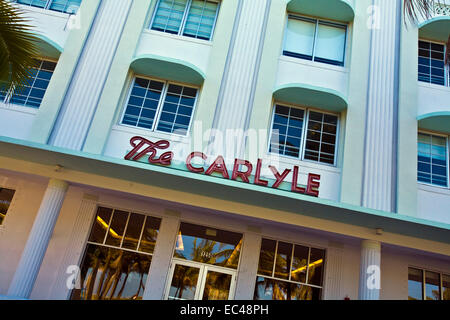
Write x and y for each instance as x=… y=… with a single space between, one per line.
x=415 y=9
x=18 y=48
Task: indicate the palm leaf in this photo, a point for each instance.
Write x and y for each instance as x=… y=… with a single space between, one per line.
x=18 y=48
x=414 y=9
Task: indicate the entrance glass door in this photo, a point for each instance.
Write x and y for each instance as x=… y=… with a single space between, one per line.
x=195 y=281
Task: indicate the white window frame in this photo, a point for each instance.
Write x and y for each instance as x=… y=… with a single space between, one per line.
x=183 y=20
x=317 y=22
x=160 y=105
x=446 y=67
x=447 y=146
x=47 y=6
x=304 y=132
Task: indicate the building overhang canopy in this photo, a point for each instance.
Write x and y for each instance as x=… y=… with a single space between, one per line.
x=216 y=194
x=435 y=121
x=48 y=48
x=436 y=29
x=167 y=68
x=340 y=10
x=311 y=96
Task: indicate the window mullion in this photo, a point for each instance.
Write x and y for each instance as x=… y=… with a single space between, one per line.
x=125 y=230
x=305 y=134
x=315 y=41
x=184 y=19
x=275 y=260
x=109 y=226
x=160 y=106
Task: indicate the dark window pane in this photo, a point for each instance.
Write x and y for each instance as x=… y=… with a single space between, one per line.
x=299 y=264
x=149 y=234
x=116 y=228
x=283 y=260
x=267 y=257
x=315 y=268
x=100 y=226
x=133 y=233
x=6 y=196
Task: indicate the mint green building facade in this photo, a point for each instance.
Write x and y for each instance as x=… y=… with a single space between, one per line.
x=356 y=102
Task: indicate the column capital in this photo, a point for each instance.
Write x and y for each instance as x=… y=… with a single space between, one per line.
x=371 y=244
x=58 y=184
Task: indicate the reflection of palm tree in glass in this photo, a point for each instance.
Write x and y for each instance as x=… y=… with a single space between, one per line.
x=115 y=267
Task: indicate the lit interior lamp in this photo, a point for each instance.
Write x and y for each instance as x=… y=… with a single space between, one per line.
x=105 y=225
x=180 y=245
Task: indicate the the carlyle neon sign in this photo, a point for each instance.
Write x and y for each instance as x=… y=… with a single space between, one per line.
x=143 y=147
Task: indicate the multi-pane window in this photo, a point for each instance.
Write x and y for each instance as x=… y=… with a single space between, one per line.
x=191 y=18
x=161 y=106
x=66 y=6
x=432 y=67
x=303 y=133
x=289 y=271
x=432 y=159
x=32 y=93
x=118 y=256
x=315 y=40
x=6 y=196
x=428 y=285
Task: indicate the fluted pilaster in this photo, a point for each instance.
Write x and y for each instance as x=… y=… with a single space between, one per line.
x=82 y=97
x=75 y=246
x=369 y=277
x=38 y=240
x=379 y=184
x=241 y=72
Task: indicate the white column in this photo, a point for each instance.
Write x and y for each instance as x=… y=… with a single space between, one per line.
x=248 y=266
x=369 y=276
x=162 y=258
x=38 y=240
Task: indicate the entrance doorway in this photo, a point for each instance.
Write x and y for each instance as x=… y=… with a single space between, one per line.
x=196 y=281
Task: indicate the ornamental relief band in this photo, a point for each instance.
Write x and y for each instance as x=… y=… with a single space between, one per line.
x=143 y=147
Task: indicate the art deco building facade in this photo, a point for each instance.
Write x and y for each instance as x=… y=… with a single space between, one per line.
x=233 y=149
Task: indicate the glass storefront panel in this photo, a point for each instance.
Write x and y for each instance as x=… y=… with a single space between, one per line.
x=112 y=274
x=6 y=196
x=432 y=286
x=207 y=245
x=271 y=289
x=112 y=268
x=415 y=279
x=296 y=275
x=217 y=286
x=445 y=287
x=184 y=283
x=267 y=257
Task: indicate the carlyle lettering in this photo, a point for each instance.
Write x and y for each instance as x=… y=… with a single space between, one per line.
x=142 y=147
x=242 y=169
